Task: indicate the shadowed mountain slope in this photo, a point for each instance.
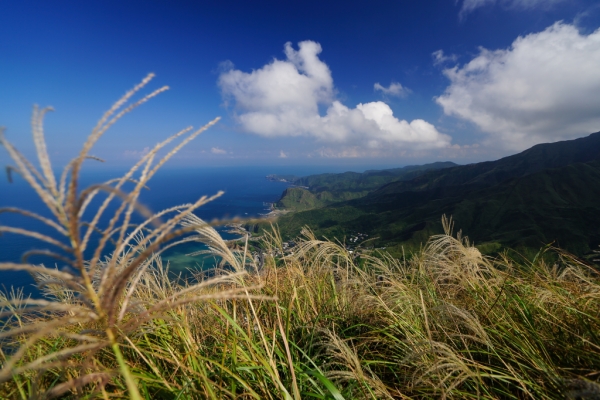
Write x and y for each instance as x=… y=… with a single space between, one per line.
x=537 y=158
x=550 y=192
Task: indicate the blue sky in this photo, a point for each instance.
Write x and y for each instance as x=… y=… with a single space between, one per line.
x=381 y=83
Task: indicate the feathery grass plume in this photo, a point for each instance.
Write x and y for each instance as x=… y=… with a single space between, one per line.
x=444 y=322
x=314 y=321
x=100 y=297
x=216 y=245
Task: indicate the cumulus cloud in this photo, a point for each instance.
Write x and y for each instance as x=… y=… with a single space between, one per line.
x=470 y=5
x=440 y=58
x=283 y=98
x=395 y=89
x=217 y=150
x=545 y=87
x=359 y=152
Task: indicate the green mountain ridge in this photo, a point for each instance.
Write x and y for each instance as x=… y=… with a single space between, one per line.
x=534 y=159
x=367 y=180
x=317 y=191
x=548 y=193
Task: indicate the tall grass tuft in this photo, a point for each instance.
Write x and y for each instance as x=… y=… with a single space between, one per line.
x=93 y=306
x=321 y=322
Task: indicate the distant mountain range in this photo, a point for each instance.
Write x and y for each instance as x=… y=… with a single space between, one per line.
x=317 y=191
x=548 y=193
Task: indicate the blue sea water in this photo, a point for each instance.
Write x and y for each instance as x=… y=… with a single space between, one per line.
x=246 y=192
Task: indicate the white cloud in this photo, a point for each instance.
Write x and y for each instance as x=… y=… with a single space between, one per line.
x=545 y=87
x=225 y=66
x=470 y=5
x=440 y=58
x=216 y=150
x=360 y=152
x=283 y=98
x=395 y=89
x=346 y=152
x=282 y=154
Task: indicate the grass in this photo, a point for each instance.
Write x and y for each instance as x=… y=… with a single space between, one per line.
x=444 y=322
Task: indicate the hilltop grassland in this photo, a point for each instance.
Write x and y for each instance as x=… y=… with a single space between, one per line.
x=448 y=322
x=318 y=322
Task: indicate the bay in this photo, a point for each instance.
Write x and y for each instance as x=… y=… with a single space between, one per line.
x=247 y=193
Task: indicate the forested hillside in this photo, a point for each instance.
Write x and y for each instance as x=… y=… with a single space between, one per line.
x=547 y=194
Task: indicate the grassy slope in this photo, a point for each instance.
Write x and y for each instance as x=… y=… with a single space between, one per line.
x=445 y=323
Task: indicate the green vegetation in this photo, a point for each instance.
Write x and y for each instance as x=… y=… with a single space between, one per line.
x=546 y=194
x=325 y=189
x=313 y=321
x=368 y=180
x=447 y=322
x=300 y=199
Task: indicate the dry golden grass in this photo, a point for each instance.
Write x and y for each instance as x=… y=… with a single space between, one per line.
x=89 y=300
x=445 y=322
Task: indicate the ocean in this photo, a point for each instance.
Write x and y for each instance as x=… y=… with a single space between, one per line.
x=247 y=194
